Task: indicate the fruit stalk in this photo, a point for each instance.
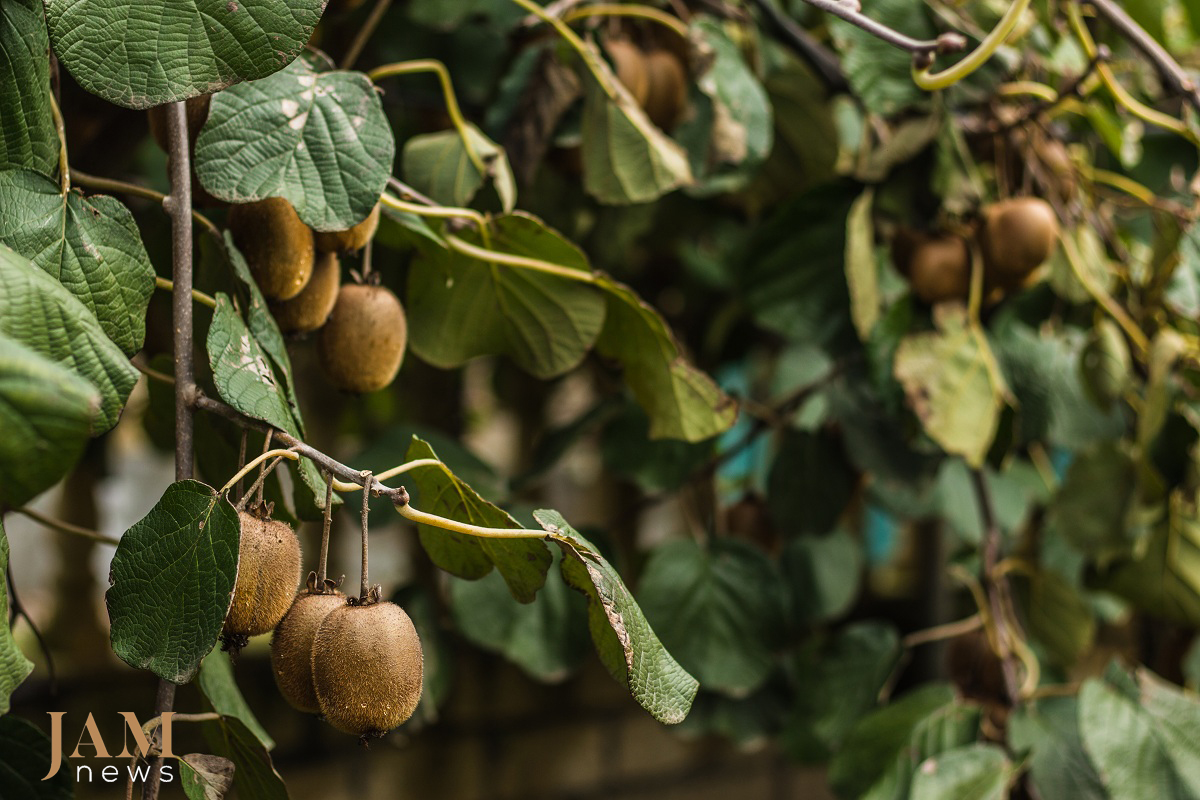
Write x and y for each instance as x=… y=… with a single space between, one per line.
x=365 y=585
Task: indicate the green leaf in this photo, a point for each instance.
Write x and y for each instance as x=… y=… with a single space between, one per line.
x=954 y=385
x=141 y=53
x=811 y=482
x=718 y=609
x=822 y=574
x=546 y=638
x=656 y=465
x=47 y=414
x=974 y=772
x=1059 y=616
x=861 y=273
x=14 y=666
x=545 y=323
x=879 y=73
x=439 y=165
x=681 y=401
x=25 y=760
x=254 y=774
x=205 y=777
x=319 y=140
x=625 y=158
x=522 y=562
x=1176 y=719
x=90 y=245
x=1058 y=765
x=1091 y=506
x=220 y=689
x=38 y=312
x=172 y=581
x=624 y=640
x=28 y=137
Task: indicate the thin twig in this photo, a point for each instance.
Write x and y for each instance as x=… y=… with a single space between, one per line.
x=237 y=489
x=1070 y=89
x=197 y=295
x=17 y=608
x=364 y=33
x=66 y=527
x=946 y=43
x=1174 y=75
x=364 y=581
x=823 y=61
x=161 y=377
x=111 y=185
x=940 y=633
x=327 y=521
x=996 y=586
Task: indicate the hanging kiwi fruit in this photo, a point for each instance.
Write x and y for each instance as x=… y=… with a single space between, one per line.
x=351 y=239
x=267 y=576
x=1016 y=237
x=362 y=345
x=938 y=267
x=307 y=311
x=292 y=646
x=278 y=247
x=667 y=87
x=629 y=64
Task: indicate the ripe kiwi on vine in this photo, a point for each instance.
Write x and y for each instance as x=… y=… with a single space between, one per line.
x=629 y=64
x=307 y=311
x=352 y=239
x=938 y=267
x=267 y=576
x=1016 y=237
x=362 y=345
x=367 y=667
x=292 y=645
x=278 y=247
x=666 y=95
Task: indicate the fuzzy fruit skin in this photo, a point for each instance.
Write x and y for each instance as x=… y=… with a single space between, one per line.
x=937 y=267
x=308 y=310
x=630 y=65
x=362 y=345
x=666 y=97
x=278 y=247
x=268 y=573
x=1017 y=236
x=351 y=239
x=292 y=644
x=367 y=668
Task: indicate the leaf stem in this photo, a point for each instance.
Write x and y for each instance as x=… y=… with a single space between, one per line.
x=364 y=581
x=1171 y=71
x=439 y=212
x=65 y=527
x=364 y=33
x=408 y=512
x=197 y=295
x=635 y=11
x=452 y=107
x=577 y=44
x=931 y=81
x=946 y=43
x=161 y=377
x=940 y=633
x=64 y=163
x=326 y=523
x=287 y=453
x=1102 y=297
x=144 y=192
x=521 y=262
x=343 y=486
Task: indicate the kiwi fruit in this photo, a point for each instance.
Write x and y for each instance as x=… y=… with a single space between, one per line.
x=666 y=94
x=367 y=667
x=278 y=247
x=267 y=576
x=308 y=310
x=937 y=267
x=362 y=344
x=197 y=115
x=629 y=64
x=292 y=645
x=1016 y=237
x=351 y=239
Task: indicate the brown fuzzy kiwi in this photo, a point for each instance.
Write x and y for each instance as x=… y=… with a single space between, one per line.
x=630 y=65
x=1017 y=236
x=292 y=644
x=362 y=345
x=937 y=267
x=268 y=573
x=278 y=247
x=197 y=115
x=351 y=239
x=308 y=310
x=367 y=667
x=666 y=96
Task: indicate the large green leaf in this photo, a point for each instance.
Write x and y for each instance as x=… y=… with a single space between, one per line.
x=254 y=775
x=319 y=140
x=625 y=158
x=141 y=53
x=38 y=312
x=439 y=165
x=220 y=689
x=811 y=482
x=14 y=666
x=522 y=562
x=27 y=134
x=460 y=307
x=1091 y=506
x=681 y=401
x=624 y=640
x=90 y=245
x=973 y=772
x=954 y=385
x=718 y=609
x=172 y=581
x=47 y=414
x=822 y=574
x=25 y=759
x=1058 y=765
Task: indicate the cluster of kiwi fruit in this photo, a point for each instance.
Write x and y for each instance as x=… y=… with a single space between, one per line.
x=356 y=661
x=656 y=75
x=361 y=327
x=1014 y=237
